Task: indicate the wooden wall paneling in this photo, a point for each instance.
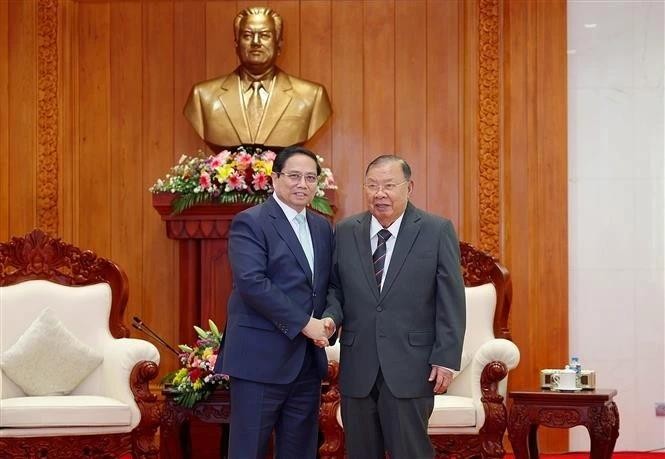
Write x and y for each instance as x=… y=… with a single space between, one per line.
x=126 y=86
x=535 y=238
x=94 y=160
x=550 y=192
x=346 y=92
x=316 y=63
x=220 y=55
x=289 y=59
x=379 y=79
x=445 y=72
x=4 y=121
x=189 y=68
x=470 y=223
x=22 y=124
x=160 y=306
x=411 y=47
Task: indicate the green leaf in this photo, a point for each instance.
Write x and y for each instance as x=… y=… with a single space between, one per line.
x=322 y=205
x=185 y=348
x=201 y=332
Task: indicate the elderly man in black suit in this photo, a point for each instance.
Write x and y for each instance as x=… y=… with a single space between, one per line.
x=397 y=289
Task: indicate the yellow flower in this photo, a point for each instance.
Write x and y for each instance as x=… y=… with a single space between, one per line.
x=197 y=385
x=224 y=172
x=207 y=353
x=179 y=376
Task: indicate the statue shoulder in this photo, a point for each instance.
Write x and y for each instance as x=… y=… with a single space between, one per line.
x=213 y=84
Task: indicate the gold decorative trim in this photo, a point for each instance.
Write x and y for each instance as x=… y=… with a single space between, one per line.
x=47 y=110
x=488 y=87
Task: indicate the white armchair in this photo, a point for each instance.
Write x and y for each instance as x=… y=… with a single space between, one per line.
x=470 y=418
x=111 y=412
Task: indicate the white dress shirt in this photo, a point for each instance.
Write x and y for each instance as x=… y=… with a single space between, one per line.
x=291 y=217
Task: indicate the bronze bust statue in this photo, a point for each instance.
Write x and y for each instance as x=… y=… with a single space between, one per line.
x=258 y=103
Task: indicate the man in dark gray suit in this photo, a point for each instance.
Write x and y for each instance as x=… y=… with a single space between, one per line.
x=397 y=289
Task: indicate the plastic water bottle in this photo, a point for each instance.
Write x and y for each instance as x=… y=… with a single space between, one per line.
x=577 y=366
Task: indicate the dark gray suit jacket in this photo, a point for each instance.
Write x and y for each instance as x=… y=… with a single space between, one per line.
x=419 y=317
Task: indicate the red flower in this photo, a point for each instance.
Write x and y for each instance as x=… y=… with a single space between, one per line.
x=195 y=374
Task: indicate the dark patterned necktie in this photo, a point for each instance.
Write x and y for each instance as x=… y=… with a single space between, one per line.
x=379 y=256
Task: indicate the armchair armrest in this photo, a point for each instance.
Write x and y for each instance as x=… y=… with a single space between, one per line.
x=489 y=369
x=120 y=358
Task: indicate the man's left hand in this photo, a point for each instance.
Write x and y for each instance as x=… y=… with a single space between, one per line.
x=442 y=378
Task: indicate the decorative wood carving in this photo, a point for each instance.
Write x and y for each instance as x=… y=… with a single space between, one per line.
x=47 y=107
x=39 y=256
x=488 y=138
x=81 y=446
x=144 y=439
x=478 y=268
x=595 y=410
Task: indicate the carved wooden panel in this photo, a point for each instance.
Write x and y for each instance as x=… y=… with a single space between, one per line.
x=47 y=174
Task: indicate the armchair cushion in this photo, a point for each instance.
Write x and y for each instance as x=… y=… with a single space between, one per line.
x=71 y=411
x=47 y=348
x=453 y=411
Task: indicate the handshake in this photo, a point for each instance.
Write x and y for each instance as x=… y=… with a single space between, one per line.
x=319 y=330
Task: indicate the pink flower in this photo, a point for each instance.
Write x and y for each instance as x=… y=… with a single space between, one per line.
x=212 y=360
x=235 y=182
x=244 y=160
x=219 y=159
x=260 y=181
x=204 y=180
x=269 y=155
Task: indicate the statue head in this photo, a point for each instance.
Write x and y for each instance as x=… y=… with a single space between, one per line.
x=258 y=38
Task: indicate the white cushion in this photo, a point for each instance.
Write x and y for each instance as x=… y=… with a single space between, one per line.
x=453 y=411
x=48 y=359
x=73 y=410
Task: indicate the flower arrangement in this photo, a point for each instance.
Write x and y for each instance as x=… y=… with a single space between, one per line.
x=230 y=177
x=196 y=379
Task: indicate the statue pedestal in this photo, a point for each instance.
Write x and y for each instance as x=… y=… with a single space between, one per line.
x=204 y=274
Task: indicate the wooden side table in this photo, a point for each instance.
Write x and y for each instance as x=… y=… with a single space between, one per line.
x=594 y=409
x=175 y=442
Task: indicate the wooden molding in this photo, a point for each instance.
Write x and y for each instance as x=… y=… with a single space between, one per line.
x=488 y=126
x=47 y=109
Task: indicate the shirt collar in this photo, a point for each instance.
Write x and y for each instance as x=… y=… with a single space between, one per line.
x=266 y=79
x=288 y=211
x=375 y=227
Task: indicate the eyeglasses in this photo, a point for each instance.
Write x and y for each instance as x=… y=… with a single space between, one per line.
x=388 y=187
x=296 y=177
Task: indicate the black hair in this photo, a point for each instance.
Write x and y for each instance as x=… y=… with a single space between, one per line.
x=406 y=169
x=282 y=156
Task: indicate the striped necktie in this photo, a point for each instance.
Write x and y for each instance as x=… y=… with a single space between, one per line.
x=379 y=256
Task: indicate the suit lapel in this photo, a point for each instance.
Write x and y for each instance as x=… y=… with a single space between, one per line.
x=405 y=238
x=285 y=231
x=361 y=234
x=229 y=95
x=277 y=102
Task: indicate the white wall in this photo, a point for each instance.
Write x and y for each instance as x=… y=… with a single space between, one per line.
x=616 y=202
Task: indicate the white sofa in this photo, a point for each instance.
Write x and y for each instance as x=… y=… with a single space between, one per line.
x=111 y=412
x=470 y=418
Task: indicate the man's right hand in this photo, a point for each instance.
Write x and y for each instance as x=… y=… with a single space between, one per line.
x=316 y=330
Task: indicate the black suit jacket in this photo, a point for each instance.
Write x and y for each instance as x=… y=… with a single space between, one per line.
x=419 y=317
